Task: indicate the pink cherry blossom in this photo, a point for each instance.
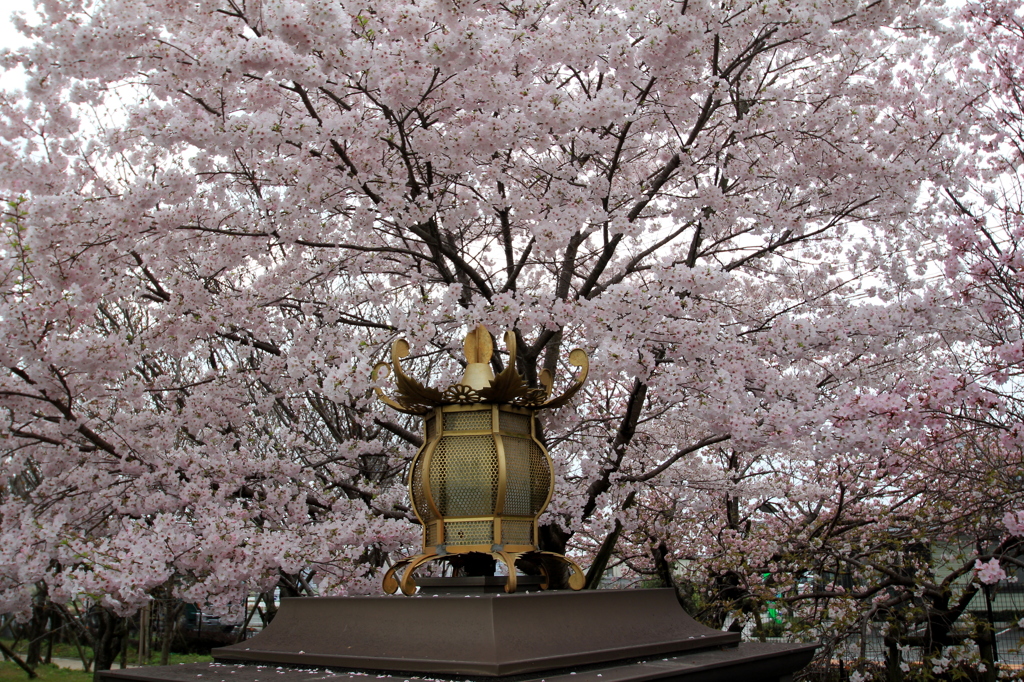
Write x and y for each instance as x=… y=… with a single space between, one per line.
x=773 y=226
x=1014 y=522
x=989 y=572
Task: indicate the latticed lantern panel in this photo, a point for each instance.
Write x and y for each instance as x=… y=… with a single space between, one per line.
x=418 y=493
x=477 y=420
x=468 y=533
x=524 y=487
x=517 y=472
x=511 y=422
x=540 y=479
x=517 y=531
x=430 y=535
x=464 y=475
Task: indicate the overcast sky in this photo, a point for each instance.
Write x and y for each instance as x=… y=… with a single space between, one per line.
x=11 y=38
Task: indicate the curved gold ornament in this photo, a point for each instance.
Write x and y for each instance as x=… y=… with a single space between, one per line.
x=547 y=380
x=412 y=393
x=383 y=397
x=510 y=562
x=577 y=358
x=390 y=584
x=407 y=583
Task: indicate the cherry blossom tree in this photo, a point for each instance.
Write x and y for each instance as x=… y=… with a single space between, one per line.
x=984 y=259
x=220 y=213
x=911 y=536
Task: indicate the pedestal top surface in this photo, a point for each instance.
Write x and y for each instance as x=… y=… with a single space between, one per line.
x=485 y=634
x=748 y=662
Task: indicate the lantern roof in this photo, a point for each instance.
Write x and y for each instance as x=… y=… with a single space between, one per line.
x=478 y=383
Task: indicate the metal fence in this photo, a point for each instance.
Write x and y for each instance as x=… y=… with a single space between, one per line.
x=863 y=656
x=868 y=654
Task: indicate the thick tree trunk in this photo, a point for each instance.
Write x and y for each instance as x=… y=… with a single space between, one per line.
x=124 y=643
x=607 y=549
x=172 y=613
x=271 y=607
x=553 y=539
x=604 y=554
x=289 y=585
x=106 y=644
x=145 y=632
x=663 y=569
x=52 y=624
x=37 y=628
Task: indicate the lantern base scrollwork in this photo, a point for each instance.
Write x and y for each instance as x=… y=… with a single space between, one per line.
x=533 y=558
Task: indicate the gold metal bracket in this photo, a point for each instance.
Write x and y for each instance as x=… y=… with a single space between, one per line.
x=407 y=566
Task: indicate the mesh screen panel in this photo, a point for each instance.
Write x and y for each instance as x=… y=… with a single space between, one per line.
x=479 y=420
x=540 y=478
x=517 y=475
x=464 y=475
x=514 y=423
x=468 y=532
x=419 y=497
x=432 y=538
x=516 y=532
x=431 y=427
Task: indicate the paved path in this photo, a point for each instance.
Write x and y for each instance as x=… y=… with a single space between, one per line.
x=76 y=663
x=69 y=663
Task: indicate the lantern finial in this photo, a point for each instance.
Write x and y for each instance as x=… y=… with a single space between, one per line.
x=478 y=349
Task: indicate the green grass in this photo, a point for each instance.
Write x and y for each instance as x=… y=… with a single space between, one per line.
x=10 y=672
x=70 y=651
x=59 y=650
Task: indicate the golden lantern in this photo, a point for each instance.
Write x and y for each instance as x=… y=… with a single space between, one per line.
x=482 y=477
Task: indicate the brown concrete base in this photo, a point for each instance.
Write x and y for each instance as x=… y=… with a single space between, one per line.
x=492 y=634
x=597 y=636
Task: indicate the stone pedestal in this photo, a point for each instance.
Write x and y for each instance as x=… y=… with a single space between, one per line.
x=589 y=636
